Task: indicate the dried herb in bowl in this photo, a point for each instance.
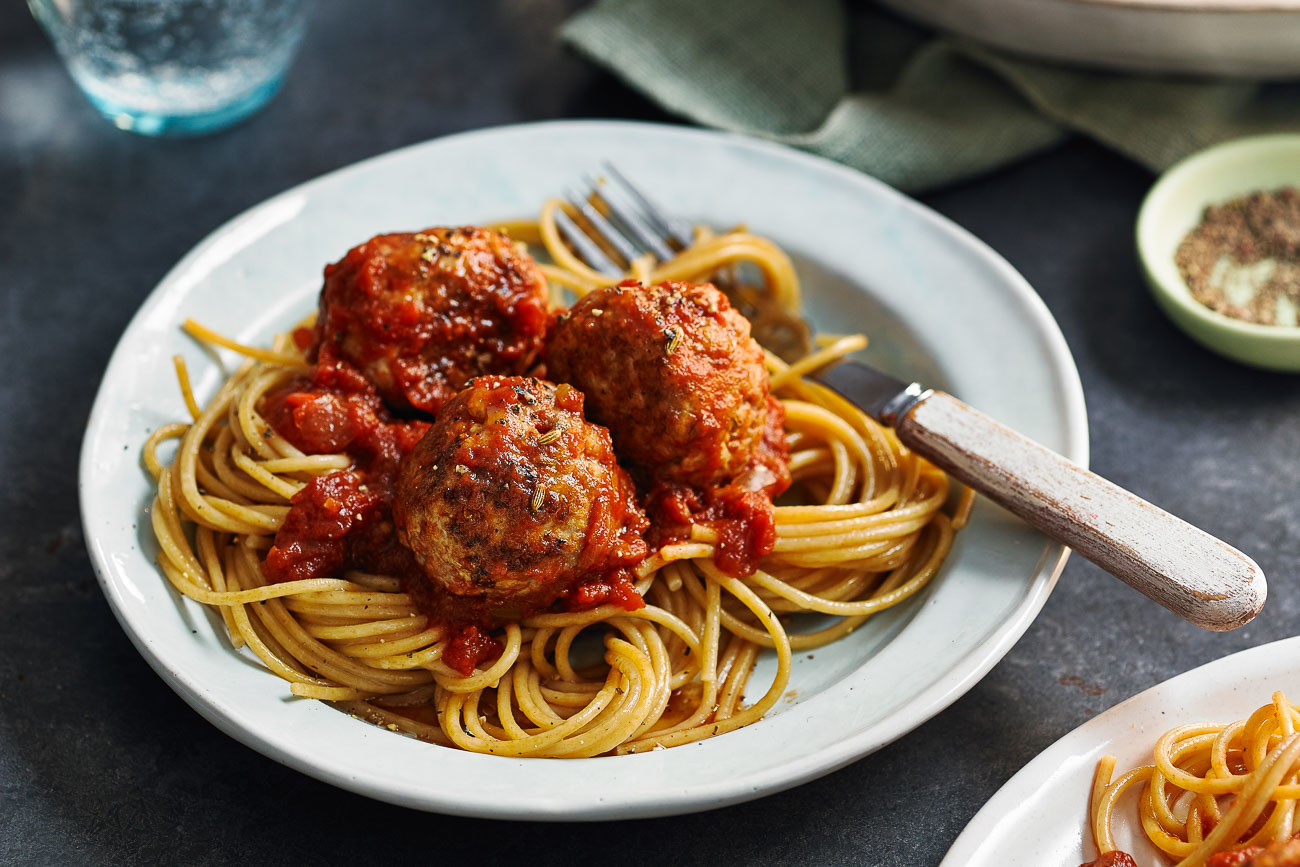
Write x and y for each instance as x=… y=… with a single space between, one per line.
x=1243 y=258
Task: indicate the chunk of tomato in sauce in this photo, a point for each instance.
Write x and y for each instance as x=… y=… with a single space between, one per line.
x=1112 y=859
x=745 y=522
x=469 y=647
x=618 y=589
x=312 y=542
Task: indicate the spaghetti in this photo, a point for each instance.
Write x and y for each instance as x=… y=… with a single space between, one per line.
x=864 y=529
x=1212 y=789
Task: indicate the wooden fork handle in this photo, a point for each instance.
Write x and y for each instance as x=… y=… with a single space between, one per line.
x=1196 y=576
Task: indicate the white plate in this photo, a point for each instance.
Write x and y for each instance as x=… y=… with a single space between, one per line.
x=1040 y=817
x=937 y=303
x=1245 y=38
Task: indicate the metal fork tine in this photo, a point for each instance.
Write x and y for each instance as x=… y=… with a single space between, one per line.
x=634 y=221
x=672 y=228
x=588 y=249
x=616 y=239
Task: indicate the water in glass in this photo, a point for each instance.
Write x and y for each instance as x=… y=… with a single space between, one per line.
x=174 y=66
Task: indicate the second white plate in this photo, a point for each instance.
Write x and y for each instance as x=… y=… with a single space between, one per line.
x=1040 y=817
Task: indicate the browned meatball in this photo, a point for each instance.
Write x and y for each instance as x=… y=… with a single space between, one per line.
x=673 y=372
x=423 y=313
x=513 y=499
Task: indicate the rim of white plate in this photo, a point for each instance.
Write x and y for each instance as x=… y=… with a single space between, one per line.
x=1056 y=783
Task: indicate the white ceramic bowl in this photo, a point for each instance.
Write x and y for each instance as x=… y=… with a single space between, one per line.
x=1245 y=38
x=939 y=306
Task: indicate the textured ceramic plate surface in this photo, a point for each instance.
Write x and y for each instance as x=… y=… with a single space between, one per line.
x=938 y=305
x=1246 y=38
x=1040 y=817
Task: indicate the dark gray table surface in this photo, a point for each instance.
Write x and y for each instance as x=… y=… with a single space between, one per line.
x=101 y=763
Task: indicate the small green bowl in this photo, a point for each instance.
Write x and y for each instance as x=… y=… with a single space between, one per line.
x=1174 y=207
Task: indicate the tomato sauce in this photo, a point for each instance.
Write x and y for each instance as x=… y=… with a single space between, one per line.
x=1112 y=859
x=1278 y=854
x=341 y=520
x=313 y=542
x=469 y=647
x=617 y=589
x=336 y=409
x=1284 y=853
x=741 y=513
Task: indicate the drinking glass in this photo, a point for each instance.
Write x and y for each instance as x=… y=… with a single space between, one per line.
x=174 y=67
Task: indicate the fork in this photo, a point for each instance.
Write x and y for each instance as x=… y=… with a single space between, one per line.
x=1202 y=579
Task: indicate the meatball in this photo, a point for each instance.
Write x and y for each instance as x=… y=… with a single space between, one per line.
x=423 y=313
x=513 y=499
x=674 y=373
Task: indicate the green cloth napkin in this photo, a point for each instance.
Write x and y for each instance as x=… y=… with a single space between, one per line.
x=884 y=97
